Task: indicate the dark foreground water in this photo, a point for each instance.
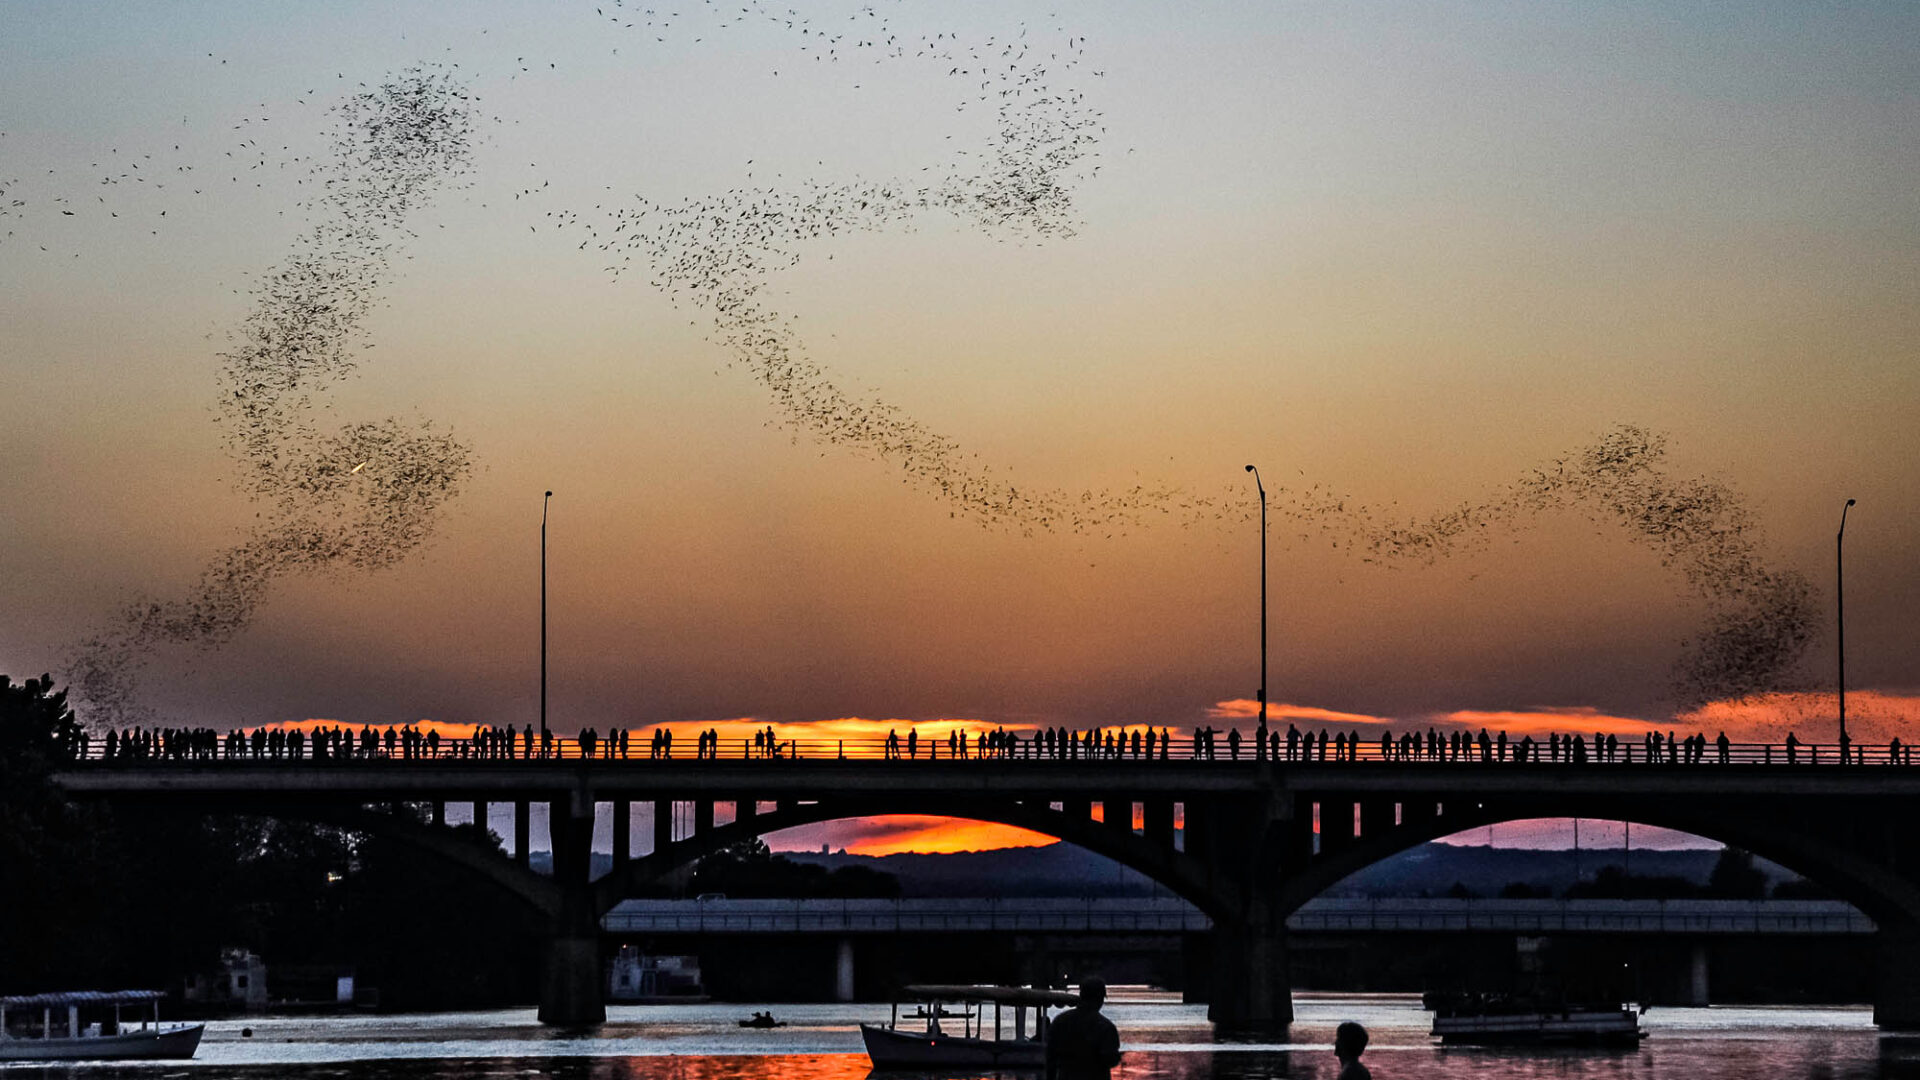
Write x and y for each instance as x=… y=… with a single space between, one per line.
x=1163 y=1040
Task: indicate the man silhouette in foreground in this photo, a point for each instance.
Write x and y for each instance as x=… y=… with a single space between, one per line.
x=1349 y=1041
x=1082 y=1044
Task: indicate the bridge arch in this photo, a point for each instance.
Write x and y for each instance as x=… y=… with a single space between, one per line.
x=1164 y=865
x=453 y=846
x=1855 y=875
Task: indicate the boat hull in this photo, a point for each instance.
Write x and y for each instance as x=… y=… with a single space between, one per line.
x=889 y=1049
x=176 y=1043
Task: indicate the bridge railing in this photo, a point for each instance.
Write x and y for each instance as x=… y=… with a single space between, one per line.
x=365 y=746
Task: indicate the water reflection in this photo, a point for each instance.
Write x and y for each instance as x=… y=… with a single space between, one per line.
x=1163 y=1039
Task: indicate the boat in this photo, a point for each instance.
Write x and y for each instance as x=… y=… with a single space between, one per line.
x=87 y=1025
x=635 y=978
x=1500 y=1020
x=762 y=1020
x=1012 y=1035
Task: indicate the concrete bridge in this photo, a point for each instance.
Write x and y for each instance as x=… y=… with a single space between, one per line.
x=1171 y=915
x=1248 y=843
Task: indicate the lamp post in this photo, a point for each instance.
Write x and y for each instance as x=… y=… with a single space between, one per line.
x=543 y=621
x=1840 y=619
x=1261 y=751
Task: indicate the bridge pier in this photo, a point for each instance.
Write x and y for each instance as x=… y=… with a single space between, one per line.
x=662 y=825
x=843 y=970
x=1896 y=992
x=570 y=991
x=1698 y=977
x=1250 y=991
x=622 y=834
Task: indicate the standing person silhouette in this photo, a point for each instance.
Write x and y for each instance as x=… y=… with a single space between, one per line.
x=1349 y=1042
x=1082 y=1044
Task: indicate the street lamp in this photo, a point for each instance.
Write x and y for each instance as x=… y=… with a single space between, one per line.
x=1261 y=750
x=1840 y=619
x=543 y=621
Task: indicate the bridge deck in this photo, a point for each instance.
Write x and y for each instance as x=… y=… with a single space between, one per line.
x=401 y=779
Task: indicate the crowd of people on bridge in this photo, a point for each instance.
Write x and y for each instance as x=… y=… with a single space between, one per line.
x=1048 y=744
x=494 y=743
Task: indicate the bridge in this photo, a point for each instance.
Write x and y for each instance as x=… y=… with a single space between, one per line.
x=1248 y=842
x=1170 y=915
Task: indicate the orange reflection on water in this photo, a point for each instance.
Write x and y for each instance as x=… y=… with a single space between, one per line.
x=731 y=1067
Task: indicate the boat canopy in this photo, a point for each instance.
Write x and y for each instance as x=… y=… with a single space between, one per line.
x=1005 y=995
x=83 y=997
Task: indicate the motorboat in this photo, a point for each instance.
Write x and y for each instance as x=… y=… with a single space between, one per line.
x=91 y=1025
x=1500 y=1020
x=762 y=1020
x=998 y=1027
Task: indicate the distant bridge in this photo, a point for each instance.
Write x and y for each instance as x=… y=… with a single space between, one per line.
x=1248 y=842
x=1171 y=915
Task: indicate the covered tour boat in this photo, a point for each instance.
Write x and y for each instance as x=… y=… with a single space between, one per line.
x=1498 y=1020
x=90 y=1025
x=998 y=1027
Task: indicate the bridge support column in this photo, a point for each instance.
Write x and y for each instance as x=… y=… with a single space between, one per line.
x=571 y=991
x=522 y=832
x=622 y=834
x=1197 y=829
x=1336 y=825
x=1698 y=972
x=1896 y=992
x=1251 y=991
x=1159 y=821
x=662 y=825
x=843 y=971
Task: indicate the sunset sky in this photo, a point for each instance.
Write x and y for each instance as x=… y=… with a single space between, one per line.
x=1400 y=255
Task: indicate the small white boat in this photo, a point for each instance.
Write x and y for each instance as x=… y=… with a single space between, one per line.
x=88 y=1025
x=1012 y=1034
x=1496 y=1021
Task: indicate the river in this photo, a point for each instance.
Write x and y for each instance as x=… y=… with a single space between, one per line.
x=1162 y=1039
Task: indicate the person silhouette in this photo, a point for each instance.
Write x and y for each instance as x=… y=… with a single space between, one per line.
x=1349 y=1042
x=1082 y=1044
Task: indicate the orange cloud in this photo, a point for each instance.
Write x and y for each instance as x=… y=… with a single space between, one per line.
x=1542 y=720
x=1249 y=709
x=1873 y=716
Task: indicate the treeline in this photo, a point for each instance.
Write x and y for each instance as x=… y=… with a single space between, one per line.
x=93 y=898
x=749 y=871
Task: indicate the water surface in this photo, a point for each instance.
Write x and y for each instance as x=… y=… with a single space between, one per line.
x=1163 y=1040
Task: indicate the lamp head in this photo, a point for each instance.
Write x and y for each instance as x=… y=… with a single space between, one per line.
x=549 y=494
x=1849 y=502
